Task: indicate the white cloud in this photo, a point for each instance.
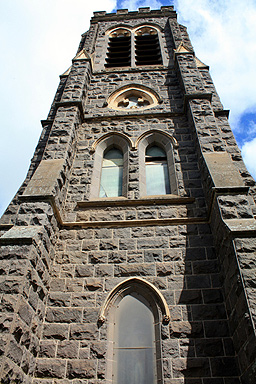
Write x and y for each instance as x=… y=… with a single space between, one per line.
x=223 y=34
x=133 y=5
x=249 y=155
x=38 y=39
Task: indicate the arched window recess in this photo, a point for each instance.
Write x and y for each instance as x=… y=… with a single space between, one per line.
x=139 y=285
x=111 y=180
x=156 y=162
x=133 y=310
x=110 y=170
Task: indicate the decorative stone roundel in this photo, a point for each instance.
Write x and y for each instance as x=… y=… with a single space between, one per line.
x=132 y=98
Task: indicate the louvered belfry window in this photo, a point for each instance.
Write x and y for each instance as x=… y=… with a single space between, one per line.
x=119 y=49
x=137 y=47
x=147 y=48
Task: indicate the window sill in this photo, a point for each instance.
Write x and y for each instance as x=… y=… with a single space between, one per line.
x=122 y=201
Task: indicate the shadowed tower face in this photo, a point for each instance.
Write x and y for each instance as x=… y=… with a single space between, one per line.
x=127 y=255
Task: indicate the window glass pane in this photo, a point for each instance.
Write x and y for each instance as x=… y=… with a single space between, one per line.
x=157 y=179
x=134 y=315
x=113 y=154
x=112 y=174
x=134 y=343
x=155 y=152
x=135 y=366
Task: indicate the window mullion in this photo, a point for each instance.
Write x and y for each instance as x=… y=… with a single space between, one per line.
x=132 y=50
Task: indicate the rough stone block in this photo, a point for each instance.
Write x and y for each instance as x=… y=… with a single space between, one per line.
x=56 y=331
x=53 y=368
x=135 y=269
x=186 y=329
x=81 y=369
x=83 y=332
x=67 y=349
x=64 y=315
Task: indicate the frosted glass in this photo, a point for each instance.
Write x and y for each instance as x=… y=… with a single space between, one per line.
x=157 y=179
x=155 y=152
x=111 y=174
x=134 y=346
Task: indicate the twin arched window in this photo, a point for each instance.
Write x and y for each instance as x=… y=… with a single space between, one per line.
x=156 y=169
x=138 y=47
x=157 y=173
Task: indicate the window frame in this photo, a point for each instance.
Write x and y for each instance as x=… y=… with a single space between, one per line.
x=156 y=332
x=161 y=140
x=102 y=146
x=159 y=163
x=105 y=169
x=155 y=300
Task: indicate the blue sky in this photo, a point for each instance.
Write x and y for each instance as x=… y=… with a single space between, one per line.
x=39 y=39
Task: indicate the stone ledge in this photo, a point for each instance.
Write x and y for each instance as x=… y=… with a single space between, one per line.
x=133 y=115
x=222 y=112
x=21 y=234
x=123 y=202
x=241 y=227
x=135 y=223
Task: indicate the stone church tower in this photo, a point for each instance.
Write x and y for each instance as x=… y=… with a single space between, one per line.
x=128 y=254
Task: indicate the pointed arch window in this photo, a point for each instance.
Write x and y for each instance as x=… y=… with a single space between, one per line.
x=112 y=173
x=134 y=351
x=119 y=49
x=157 y=173
x=147 y=47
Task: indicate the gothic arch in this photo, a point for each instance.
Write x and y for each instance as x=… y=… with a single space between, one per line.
x=157 y=131
x=104 y=137
x=137 y=284
x=119 y=26
x=147 y=25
